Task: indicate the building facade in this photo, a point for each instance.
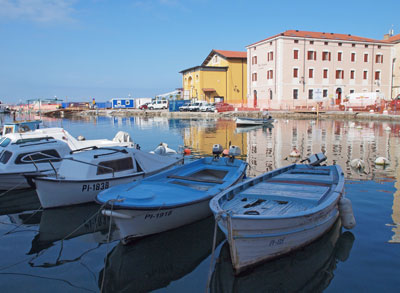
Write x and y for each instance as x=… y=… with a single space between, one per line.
x=298 y=69
x=222 y=77
x=395 y=41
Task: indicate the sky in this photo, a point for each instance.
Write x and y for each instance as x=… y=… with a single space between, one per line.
x=77 y=50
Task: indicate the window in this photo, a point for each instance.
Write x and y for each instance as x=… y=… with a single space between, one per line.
x=296 y=41
x=115 y=165
x=366 y=46
x=353 y=45
x=254 y=60
x=4 y=141
x=270 y=74
x=295 y=94
x=310 y=94
x=270 y=94
x=339 y=56
x=5 y=156
x=379 y=46
x=296 y=54
x=254 y=76
x=311 y=42
x=365 y=74
x=326 y=56
x=270 y=43
x=379 y=58
x=38 y=157
x=270 y=56
x=339 y=74
x=339 y=44
x=311 y=55
x=325 y=73
x=215 y=59
x=310 y=73
x=377 y=75
x=295 y=72
x=326 y=43
x=325 y=93
x=351 y=91
x=353 y=57
x=352 y=74
x=366 y=57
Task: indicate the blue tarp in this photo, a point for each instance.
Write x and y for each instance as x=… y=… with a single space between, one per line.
x=175 y=104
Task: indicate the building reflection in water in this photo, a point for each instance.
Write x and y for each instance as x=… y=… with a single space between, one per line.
x=267 y=149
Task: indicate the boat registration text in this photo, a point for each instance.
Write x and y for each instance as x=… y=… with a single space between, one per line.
x=95 y=186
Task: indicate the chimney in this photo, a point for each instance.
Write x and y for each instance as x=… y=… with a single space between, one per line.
x=386 y=36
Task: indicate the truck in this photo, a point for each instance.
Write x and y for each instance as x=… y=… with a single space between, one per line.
x=363 y=101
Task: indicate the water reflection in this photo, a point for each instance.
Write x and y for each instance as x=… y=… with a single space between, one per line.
x=307 y=270
x=155 y=261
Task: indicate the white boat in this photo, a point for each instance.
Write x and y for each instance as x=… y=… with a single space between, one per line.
x=280 y=211
x=242 y=121
x=26 y=153
x=20 y=126
x=172 y=198
x=86 y=172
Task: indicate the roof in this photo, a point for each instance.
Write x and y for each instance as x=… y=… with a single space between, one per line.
x=320 y=35
x=225 y=54
x=208 y=90
x=205 y=68
x=394 y=39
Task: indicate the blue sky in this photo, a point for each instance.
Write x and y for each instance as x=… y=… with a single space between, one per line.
x=82 y=49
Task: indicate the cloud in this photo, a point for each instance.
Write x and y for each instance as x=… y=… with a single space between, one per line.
x=43 y=11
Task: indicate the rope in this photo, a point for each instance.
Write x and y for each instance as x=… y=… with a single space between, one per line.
x=210 y=270
x=12 y=188
x=27 y=219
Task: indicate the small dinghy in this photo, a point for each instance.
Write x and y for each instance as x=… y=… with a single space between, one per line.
x=282 y=210
x=241 y=121
x=88 y=171
x=172 y=198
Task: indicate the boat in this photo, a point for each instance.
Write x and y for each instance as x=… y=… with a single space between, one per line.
x=310 y=269
x=172 y=198
x=247 y=128
x=242 y=121
x=281 y=211
x=144 y=267
x=86 y=172
x=20 y=126
x=40 y=151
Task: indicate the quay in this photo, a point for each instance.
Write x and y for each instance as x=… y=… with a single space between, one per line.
x=338 y=115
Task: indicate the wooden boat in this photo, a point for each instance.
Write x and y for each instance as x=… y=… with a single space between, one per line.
x=172 y=198
x=280 y=211
x=242 y=121
x=88 y=171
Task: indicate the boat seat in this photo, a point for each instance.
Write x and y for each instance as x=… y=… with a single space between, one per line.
x=191 y=178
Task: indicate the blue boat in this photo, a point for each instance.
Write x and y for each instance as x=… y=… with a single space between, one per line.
x=172 y=198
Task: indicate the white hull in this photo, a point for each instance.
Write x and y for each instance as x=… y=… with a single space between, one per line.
x=138 y=223
x=253 y=241
x=56 y=193
x=252 y=122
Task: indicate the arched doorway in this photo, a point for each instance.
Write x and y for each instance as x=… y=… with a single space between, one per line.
x=338 y=96
x=255 y=99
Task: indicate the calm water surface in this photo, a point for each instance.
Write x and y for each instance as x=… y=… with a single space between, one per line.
x=71 y=249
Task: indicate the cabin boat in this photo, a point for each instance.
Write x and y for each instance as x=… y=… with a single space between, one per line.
x=280 y=211
x=242 y=121
x=86 y=172
x=172 y=198
x=39 y=151
x=21 y=126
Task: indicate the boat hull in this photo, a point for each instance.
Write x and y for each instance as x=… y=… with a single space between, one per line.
x=267 y=239
x=252 y=121
x=134 y=223
x=56 y=193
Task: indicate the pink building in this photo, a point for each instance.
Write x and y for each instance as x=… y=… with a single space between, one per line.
x=295 y=69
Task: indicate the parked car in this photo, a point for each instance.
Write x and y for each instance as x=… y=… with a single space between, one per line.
x=184 y=107
x=195 y=107
x=223 y=107
x=144 y=106
x=207 y=108
x=158 y=105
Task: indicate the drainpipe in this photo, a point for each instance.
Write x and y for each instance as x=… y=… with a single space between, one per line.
x=391 y=86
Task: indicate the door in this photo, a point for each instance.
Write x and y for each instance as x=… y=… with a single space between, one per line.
x=338 y=96
x=255 y=100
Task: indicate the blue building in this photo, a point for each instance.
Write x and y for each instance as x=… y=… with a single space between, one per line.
x=124 y=103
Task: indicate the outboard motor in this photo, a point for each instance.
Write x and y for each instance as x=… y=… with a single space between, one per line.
x=315 y=159
x=217 y=150
x=233 y=152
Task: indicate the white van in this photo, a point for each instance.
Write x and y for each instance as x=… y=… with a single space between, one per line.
x=195 y=107
x=158 y=105
x=362 y=101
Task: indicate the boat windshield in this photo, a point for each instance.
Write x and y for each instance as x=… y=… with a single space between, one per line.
x=4 y=141
x=5 y=156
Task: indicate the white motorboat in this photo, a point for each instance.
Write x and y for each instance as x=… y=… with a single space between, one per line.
x=86 y=172
x=242 y=121
x=172 y=198
x=282 y=210
x=31 y=152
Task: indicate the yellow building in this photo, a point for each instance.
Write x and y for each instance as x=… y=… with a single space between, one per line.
x=222 y=77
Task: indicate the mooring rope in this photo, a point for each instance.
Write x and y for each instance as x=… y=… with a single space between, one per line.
x=23 y=222
x=11 y=189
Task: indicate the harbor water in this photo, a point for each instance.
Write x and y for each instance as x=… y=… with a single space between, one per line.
x=75 y=249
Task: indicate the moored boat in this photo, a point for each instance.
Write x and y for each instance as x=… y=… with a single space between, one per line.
x=280 y=211
x=86 y=172
x=242 y=121
x=172 y=198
